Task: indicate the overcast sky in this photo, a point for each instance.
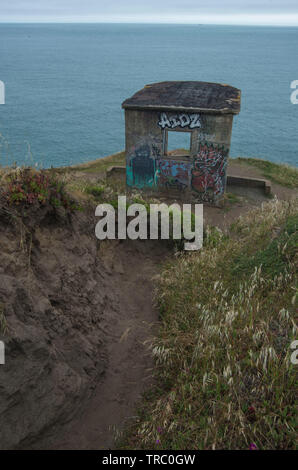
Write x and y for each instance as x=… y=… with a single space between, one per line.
x=277 y=12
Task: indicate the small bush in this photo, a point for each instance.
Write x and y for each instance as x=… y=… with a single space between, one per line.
x=95 y=191
x=28 y=187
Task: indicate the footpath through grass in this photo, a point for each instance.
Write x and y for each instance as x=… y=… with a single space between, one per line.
x=225 y=379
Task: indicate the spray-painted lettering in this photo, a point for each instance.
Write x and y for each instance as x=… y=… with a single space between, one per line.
x=209 y=171
x=173 y=174
x=182 y=120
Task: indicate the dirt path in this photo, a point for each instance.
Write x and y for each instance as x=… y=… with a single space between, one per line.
x=132 y=265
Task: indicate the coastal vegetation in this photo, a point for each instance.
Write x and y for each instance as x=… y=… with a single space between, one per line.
x=224 y=376
x=26 y=186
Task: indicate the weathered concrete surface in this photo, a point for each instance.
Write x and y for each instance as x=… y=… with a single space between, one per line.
x=119 y=173
x=194 y=95
x=249 y=182
x=115 y=172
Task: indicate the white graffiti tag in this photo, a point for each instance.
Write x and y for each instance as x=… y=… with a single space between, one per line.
x=179 y=120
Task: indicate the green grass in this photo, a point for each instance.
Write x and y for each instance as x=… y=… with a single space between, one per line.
x=95 y=191
x=225 y=380
x=232 y=198
x=284 y=175
x=100 y=165
x=275 y=257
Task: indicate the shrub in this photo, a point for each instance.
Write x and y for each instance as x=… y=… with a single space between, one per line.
x=28 y=187
x=95 y=191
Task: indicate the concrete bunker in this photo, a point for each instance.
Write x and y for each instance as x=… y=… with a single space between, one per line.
x=203 y=112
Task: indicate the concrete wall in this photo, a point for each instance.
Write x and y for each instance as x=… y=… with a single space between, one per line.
x=201 y=175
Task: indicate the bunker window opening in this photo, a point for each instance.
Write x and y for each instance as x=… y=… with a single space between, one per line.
x=176 y=143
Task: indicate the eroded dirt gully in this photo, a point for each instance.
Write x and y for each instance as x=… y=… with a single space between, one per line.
x=80 y=317
x=131 y=267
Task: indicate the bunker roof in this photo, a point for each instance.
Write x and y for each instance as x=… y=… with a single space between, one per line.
x=187 y=96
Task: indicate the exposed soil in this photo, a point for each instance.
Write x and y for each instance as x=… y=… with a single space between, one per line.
x=56 y=297
x=131 y=266
x=80 y=317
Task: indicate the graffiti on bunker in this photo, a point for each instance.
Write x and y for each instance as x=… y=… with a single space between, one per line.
x=141 y=168
x=209 y=171
x=156 y=151
x=173 y=174
x=182 y=120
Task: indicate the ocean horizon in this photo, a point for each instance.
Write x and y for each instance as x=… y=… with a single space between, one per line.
x=65 y=83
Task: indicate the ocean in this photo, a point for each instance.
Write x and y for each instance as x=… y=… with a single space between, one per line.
x=65 y=84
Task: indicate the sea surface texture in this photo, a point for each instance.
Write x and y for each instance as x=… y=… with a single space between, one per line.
x=65 y=84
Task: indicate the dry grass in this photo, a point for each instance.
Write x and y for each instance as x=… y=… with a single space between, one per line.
x=223 y=353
